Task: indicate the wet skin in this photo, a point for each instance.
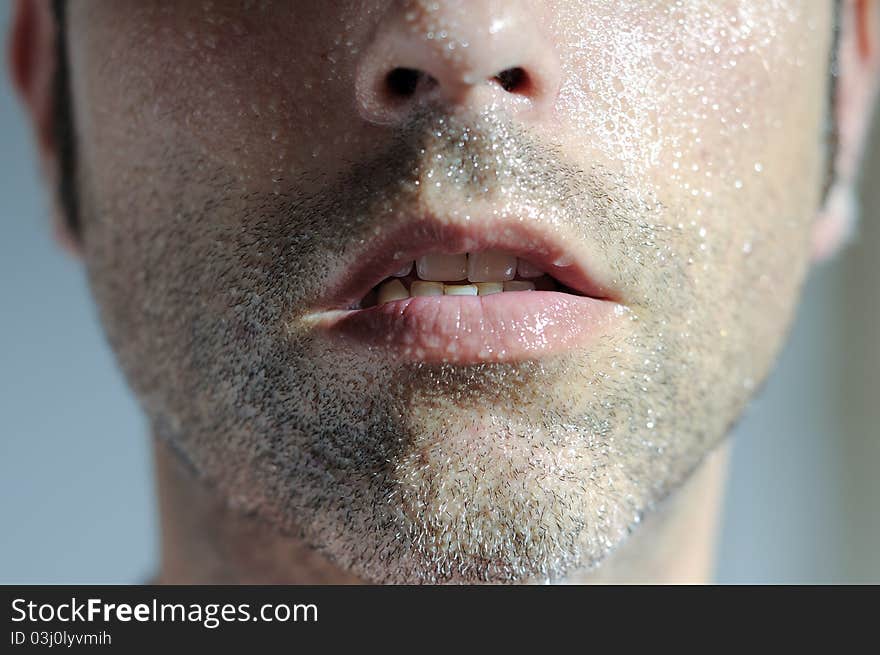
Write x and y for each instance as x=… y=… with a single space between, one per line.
x=235 y=159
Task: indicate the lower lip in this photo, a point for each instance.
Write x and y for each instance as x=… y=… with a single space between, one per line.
x=502 y=327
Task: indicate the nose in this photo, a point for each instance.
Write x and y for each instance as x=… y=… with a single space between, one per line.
x=466 y=53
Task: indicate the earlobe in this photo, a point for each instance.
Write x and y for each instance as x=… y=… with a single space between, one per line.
x=32 y=61
x=836 y=222
x=63 y=235
x=857 y=83
x=32 y=64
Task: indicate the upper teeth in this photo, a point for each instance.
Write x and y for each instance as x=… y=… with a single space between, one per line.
x=486 y=266
x=489 y=272
x=527 y=270
x=490 y=266
x=438 y=268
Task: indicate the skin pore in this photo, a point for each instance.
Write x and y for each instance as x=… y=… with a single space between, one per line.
x=234 y=157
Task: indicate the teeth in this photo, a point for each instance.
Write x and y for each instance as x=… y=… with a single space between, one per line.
x=563 y=260
x=490 y=266
x=488 y=288
x=525 y=269
x=438 y=268
x=391 y=290
x=519 y=285
x=480 y=273
x=459 y=290
x=419 y=288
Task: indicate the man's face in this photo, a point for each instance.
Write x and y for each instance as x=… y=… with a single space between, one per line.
x=246 y=168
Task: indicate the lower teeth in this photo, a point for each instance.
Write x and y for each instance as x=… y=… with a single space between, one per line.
x=395 y=288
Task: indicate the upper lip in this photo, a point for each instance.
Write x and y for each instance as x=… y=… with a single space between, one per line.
x=383 y=255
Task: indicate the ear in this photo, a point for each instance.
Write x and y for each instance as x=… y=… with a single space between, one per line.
x=857 y=83
x=33 y=40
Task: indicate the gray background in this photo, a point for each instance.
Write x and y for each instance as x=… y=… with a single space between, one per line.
x=75 y=480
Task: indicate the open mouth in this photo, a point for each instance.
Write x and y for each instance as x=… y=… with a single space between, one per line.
x=463 y=274
x=466 y=293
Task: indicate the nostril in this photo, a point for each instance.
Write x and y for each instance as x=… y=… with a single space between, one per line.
x=402 y=82
x=513 y=80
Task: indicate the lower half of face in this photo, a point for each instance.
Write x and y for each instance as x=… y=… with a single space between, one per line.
x=406 y=467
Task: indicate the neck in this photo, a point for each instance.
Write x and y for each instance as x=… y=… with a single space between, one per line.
x=205 y=542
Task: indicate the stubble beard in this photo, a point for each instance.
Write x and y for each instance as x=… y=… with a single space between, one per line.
x=410 y=472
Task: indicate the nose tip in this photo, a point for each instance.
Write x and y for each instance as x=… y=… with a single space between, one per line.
x=465 y=53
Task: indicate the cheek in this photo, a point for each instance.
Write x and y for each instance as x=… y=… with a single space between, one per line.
x=714 y=108
x=717 y=110
x=704 y=101
x=265 y=96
